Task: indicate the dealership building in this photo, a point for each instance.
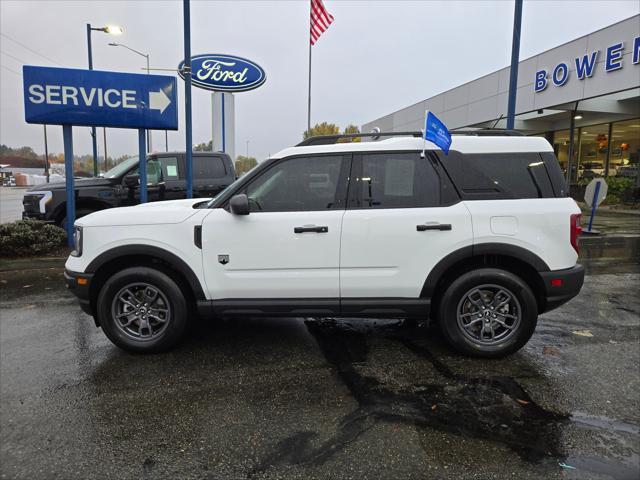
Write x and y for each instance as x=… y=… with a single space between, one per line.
x=583 y=96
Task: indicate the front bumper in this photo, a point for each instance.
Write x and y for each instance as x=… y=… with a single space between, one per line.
x=33 y=215
x=80 y=284
x=562 y=285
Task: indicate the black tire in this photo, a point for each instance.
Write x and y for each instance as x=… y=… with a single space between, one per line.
x=170 y=296
x=462 y=295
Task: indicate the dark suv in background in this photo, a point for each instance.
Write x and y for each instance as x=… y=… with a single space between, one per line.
x=120 y=186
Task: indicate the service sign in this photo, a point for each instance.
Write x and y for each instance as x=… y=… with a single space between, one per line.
x=65 y=96
x=224 y=73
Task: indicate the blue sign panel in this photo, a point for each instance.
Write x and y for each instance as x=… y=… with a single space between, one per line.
x=436 y=132
x=224 y=73
x=65 y=96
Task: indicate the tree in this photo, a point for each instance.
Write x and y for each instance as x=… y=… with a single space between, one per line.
x=350 y=129
x=323 y=128
x=204 y=147
x=244 y=164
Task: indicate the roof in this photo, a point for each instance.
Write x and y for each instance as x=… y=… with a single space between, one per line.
x=461 y=143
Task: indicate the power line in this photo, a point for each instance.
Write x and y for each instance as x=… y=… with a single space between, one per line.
x=10 y=70
x=13 y=56
x=30 y=49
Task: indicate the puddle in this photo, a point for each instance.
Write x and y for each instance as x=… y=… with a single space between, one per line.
x=491 y=408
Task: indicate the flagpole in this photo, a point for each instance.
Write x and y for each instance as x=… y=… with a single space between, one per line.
x=309 y=97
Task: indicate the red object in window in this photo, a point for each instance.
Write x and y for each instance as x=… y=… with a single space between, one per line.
x=574 y=231
x=556 y=282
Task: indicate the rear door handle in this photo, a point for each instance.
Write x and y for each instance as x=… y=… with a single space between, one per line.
x=433 y=226
x=312 y=228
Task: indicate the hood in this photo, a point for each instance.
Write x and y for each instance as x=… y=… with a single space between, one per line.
x=78 y=183
x=154 y=213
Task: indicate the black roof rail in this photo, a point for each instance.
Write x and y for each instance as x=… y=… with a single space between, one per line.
x=331 y=139
x=489 y=132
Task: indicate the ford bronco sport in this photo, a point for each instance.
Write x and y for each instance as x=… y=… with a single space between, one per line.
x=481 y=240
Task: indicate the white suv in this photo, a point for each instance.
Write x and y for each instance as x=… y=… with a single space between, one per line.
x=481 y=240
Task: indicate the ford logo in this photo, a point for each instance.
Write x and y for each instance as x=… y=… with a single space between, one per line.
x=224 y=73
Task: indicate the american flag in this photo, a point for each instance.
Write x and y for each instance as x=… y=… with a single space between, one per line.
x=320 y=20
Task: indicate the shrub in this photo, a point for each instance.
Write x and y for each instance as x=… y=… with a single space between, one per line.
x=30 y=237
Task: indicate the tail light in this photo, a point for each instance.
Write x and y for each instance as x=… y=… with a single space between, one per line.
x=574 y=231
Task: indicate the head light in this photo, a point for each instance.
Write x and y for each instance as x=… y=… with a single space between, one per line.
x=77 y=241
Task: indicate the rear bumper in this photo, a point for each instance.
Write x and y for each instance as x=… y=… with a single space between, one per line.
x=562 y=285
x=80 y=289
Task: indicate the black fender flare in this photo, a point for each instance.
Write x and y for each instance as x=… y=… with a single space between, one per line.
x=478 y=250
x=151 y=251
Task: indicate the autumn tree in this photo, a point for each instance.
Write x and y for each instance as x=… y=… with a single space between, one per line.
x=244 y=164
x=325 y=128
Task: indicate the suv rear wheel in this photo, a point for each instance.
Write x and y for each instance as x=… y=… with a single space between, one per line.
x=142 y=309
x=488 y=313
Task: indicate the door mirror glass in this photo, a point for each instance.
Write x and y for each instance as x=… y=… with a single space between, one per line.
x=239 y=204
x=132 y=180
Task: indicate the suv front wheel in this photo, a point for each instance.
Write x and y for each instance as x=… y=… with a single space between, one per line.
x=142 y=309
x=488 y=313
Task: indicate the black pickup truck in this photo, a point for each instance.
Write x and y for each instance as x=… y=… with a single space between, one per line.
x=120 y=186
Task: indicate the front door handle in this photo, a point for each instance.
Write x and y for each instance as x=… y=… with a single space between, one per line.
x=433 y=226
x=311 y=228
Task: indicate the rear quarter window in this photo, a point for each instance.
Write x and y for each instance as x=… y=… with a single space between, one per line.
x=494 y=176
x=208 y=167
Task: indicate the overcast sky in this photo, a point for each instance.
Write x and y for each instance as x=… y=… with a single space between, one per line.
x=377 y=56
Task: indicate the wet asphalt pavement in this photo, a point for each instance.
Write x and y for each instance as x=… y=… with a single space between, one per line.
x=319 y=398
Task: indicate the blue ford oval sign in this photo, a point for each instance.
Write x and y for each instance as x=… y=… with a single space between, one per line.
x=224 y=73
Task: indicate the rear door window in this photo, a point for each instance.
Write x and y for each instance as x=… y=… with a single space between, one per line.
x=208 y=167
x=170 y=170
x=394 y=180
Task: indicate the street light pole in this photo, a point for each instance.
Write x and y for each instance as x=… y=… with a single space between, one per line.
x=113 y=30
x=146 y=56
x=93 y=129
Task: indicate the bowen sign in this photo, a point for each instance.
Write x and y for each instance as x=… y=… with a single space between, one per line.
x=64 y=96
x=224 y=73
x=585 y=66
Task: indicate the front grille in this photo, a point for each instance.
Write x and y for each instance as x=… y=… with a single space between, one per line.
x=31 y=203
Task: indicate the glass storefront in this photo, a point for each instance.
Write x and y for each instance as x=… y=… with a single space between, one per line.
x=593 y=148
x=625 y=148
x=597 y=155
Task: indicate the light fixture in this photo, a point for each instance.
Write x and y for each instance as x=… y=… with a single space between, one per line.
x=577 y=116
x=114 y=30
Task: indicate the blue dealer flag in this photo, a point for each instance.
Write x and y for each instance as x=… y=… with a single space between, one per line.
x=436 y=132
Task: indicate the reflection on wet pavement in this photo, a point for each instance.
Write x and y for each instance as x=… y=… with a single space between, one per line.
x=318 y=398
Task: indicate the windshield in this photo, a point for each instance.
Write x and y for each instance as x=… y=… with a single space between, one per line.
x=121 y=168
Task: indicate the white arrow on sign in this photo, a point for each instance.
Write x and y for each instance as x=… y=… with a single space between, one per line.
x=159 y=101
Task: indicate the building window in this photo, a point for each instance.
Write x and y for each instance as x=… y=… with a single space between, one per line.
x=593 y=150
x=561 y=147
x=625 y=149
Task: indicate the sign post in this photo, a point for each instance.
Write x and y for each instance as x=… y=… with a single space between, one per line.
x=594 y=195
x=69 y=97
x=67 y=138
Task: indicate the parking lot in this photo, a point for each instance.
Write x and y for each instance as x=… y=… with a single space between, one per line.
x=319 y=398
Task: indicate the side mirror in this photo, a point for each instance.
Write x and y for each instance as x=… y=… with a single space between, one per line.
x=132 y=180
x=239 y=205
